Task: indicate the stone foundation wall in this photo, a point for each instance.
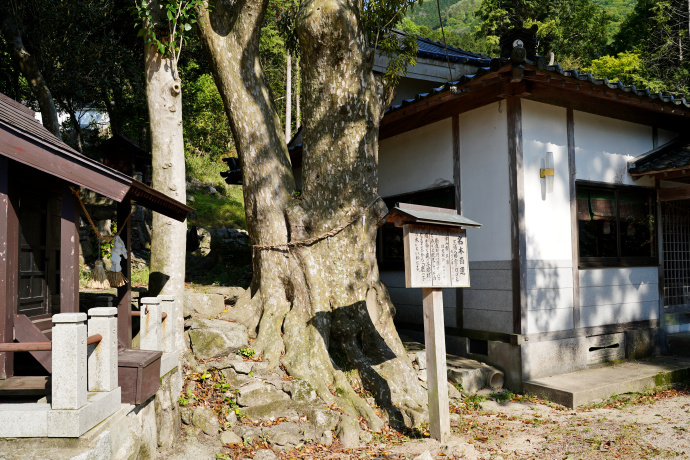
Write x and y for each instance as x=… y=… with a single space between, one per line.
x=133 y=432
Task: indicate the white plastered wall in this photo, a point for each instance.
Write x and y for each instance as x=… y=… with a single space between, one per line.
x=487 y=304
x=413 y=161
x=603 y=148
x=416 y=160
x=547 y=220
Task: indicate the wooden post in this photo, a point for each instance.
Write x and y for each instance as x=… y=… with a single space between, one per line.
x=69 y=252
x=124 y=293
x=9 y=258
x=437 y=379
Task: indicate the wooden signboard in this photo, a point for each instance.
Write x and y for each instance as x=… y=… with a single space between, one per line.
x=435 y=256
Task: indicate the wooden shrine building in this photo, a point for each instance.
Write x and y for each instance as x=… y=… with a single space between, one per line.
x=39 y=239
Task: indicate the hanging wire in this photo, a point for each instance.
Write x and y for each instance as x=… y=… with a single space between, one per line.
x=443 y=34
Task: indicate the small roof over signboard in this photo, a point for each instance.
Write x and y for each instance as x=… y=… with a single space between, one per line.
x=404 y=213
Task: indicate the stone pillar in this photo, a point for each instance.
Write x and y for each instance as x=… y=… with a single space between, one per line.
x=150 y=324
x=102 y=356
x=69 y=378
x=169 y=307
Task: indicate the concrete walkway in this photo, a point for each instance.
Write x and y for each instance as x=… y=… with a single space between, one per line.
x=578 y=388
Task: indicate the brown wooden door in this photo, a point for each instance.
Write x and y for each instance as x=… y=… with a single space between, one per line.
x=39 y=254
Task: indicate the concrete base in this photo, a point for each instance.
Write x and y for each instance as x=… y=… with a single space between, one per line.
x=578 y=388
x=679 y=344
x=35 y=420
x=169 y=361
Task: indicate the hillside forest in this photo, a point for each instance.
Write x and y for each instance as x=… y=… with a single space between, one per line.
x=91 y=58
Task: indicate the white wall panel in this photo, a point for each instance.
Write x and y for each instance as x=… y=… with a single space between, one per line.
x=484 y=181
x=605 y=145
x=416 y=160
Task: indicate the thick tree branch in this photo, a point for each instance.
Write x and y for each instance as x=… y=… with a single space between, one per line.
x=33 y=76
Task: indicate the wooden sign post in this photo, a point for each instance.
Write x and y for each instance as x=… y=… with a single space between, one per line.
x=435 y=258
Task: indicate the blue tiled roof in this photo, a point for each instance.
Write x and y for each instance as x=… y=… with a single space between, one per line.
x=434 y=50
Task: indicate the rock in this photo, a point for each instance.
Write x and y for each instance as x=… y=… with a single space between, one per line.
x=212 y=190
x=231 y=418
x=190 y=199
x=259 y=394
x=186 y=415
x=230 y=294
x=286 y=435
x=247 y=433
x=242 y=367
x=264 y=454
x=228 y=437
x=415 y=417
x=348 y=432
x=366 y=437
x=326 y=438
x=287 y=409
x=200 y=242
x=301 y=390
x=453 y=392
x=323 y=419
x=420 y=357
x=236 y=380
x=212 y=338
x=206 y=419
x=424 y=456
x=205 y=305
x=472 y=380
x=457 y=449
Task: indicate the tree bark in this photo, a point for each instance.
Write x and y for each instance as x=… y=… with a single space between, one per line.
x=320 y=308
x=33 y=76
x=168 y=239
x=288 y=99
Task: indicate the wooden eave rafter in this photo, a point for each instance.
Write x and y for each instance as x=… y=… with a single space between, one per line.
x=71 y=166
x=538 y=85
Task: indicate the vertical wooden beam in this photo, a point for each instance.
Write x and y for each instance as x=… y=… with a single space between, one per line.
x=574 y=225
x=655 y=134
x=69 y=252
x=517 y=214
x=457 y=180
x=124 y=293
x=437 y=378
x=9 y=259
x=660 y=249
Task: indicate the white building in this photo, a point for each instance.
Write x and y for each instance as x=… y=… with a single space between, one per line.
x=585 y=273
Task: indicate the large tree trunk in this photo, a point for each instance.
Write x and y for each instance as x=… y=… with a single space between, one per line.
x=318 y=308
x=30 y=71
x=168 y=239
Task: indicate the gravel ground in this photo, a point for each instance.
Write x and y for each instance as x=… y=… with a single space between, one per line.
x=639 y=426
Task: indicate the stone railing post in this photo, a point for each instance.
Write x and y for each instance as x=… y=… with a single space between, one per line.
x=150 y=324
x=168 y=306
x=69 y=377
x=102 y=356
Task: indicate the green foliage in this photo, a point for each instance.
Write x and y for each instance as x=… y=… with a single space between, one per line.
x=172 y=19
x=627 y=67
x=205 y=125
x=566 y=27
x=657 y=30
x=215 y=211
x=246 y=352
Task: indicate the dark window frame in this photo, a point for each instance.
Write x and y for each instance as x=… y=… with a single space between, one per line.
x=619 y=260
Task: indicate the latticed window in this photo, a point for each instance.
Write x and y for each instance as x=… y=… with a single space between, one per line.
x=616 y=226
x=675 y=219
